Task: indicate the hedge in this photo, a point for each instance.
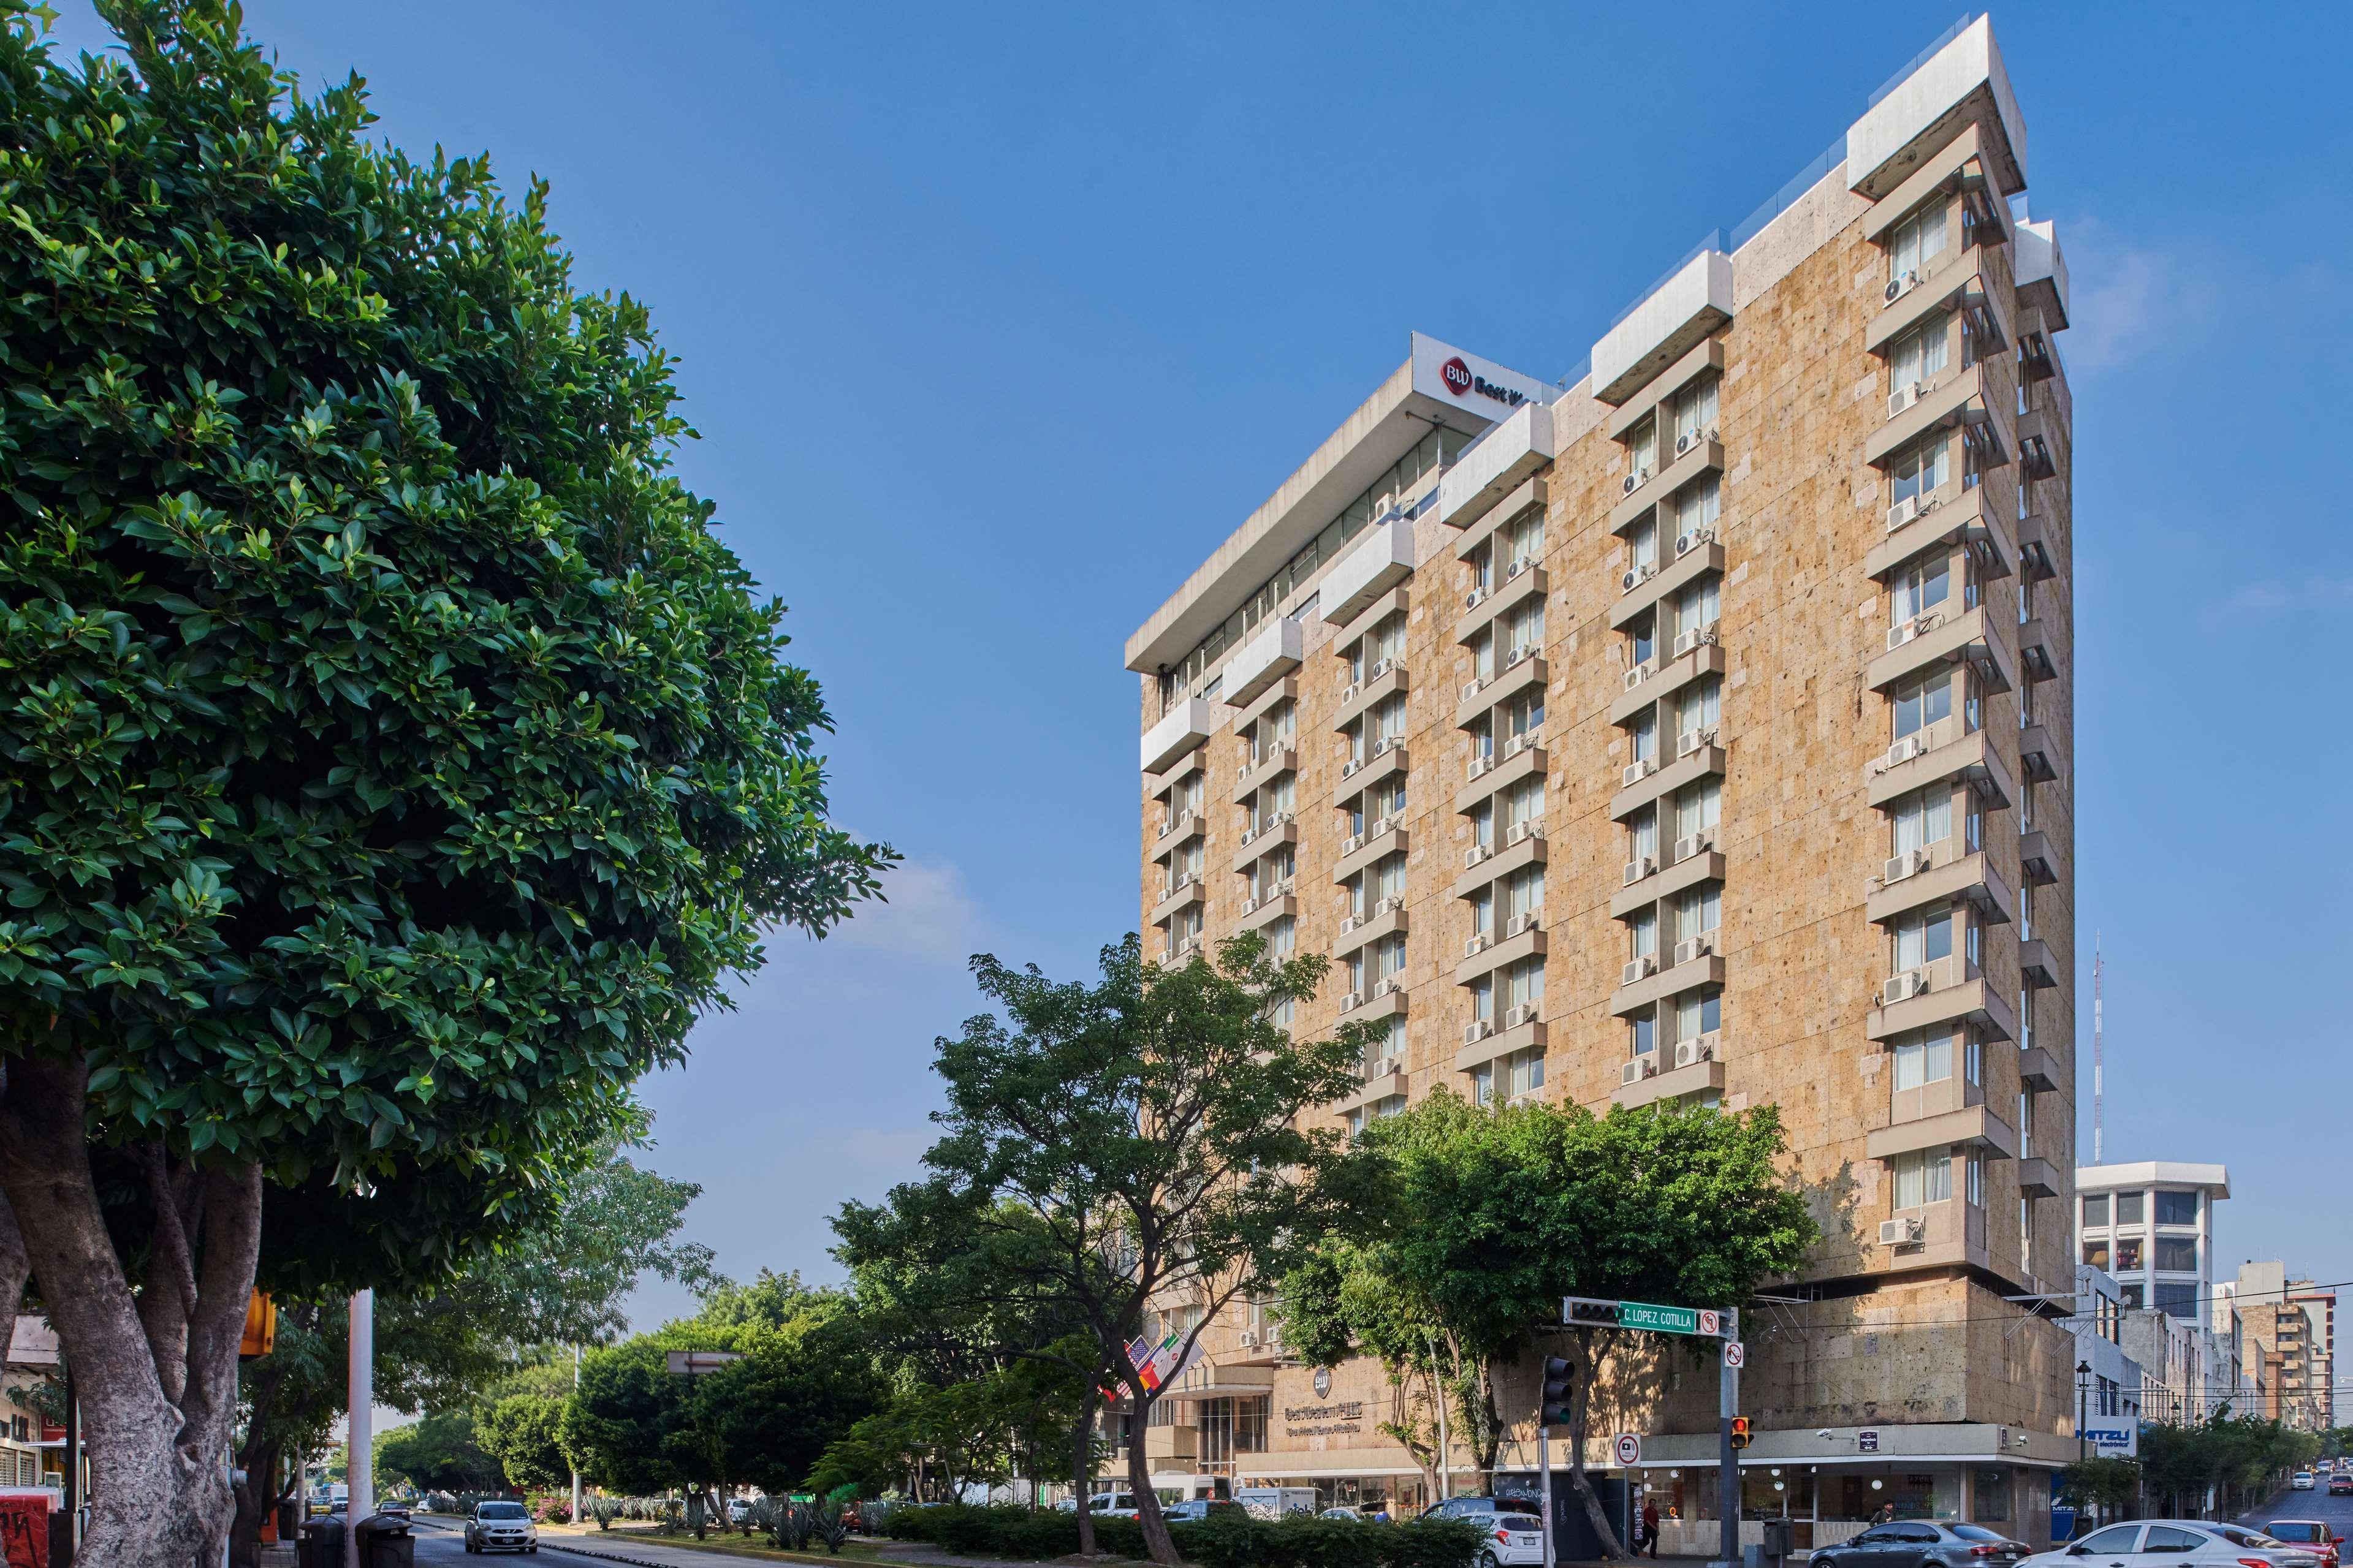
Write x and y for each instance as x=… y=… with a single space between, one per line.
x=1225 y=1540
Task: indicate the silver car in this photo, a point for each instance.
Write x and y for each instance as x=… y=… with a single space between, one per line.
x=2177 y=1543
x=1924 y=1543
x=500 y=1527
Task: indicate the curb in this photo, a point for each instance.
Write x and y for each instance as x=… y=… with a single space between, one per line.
x=546 y=1545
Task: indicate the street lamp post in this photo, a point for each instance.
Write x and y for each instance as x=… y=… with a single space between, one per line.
x=2082 y=1390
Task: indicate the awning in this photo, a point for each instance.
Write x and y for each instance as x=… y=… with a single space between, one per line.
x=1207 y=1381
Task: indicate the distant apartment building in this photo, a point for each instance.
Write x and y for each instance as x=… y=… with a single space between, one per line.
x=1697 y=728
x=2151 y=1225
x=2109 y=1380
x=2289 y=1343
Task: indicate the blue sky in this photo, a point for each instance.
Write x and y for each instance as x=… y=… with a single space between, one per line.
x=995 y=320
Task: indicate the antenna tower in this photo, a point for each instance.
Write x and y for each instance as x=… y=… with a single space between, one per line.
x=2099 y=1062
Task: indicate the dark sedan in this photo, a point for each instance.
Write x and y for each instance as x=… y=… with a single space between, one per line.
x=1923 y=1543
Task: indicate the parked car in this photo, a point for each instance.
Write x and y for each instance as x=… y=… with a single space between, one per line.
x=2309 y=1533
x=398 y=1508
x=739 y=1511
x=1513 y=1540
x=1194 y=1510
x=500 y=1527
x=1342 y=1510
x=1111 y=1505
x=1924 y=1544
x=1460 y=1508
x=2301 y=1480
x=2178 y=1543
x=2341 y=1483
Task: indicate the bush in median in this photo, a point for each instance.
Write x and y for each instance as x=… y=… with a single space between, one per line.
x=1227 y=1541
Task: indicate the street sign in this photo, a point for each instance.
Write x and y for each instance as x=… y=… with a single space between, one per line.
x=695 y=1364
x=1735 y=1354
x=1658 y=1320
x=1630 y=1448
x=1867 y=1440
x=1649 y=1316
x=1711 y=1322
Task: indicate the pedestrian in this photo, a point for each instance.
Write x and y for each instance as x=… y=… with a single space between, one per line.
x=1650 y=1525
x=1886 y=1514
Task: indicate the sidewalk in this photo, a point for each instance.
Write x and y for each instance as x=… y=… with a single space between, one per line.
x=638 y=1552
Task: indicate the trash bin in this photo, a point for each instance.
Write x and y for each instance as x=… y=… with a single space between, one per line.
x=1780 y=1538
x=321 y=1544
x=383 y=1542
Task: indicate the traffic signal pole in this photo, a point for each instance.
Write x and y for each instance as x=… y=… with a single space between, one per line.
x=1727 y=1485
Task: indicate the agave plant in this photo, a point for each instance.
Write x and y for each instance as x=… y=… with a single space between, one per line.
x=831 y=1523
x=604 y=1510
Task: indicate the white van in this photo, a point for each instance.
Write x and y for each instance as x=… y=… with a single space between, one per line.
x=1274 y=1502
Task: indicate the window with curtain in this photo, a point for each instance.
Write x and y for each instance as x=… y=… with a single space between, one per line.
x=1642 y=448
x=1699 y=1013
x=1389 y=958
x=1920 y=355
x=1922 y=467
x=1525 y=711
x=1695 y=408
x=1922 y=703
x=1697 y=808
x=1524 y=893
x=1919 y=588
x=2176 y=1208
x=1482 y=911
x=1482 y=655
x=1699 y=706
x=1697 y=912
x=1917 y=240
x=1642 y=735
x=1643 y=545
x=1483 y=999
x=1526 y=1070
x=1389 y=718
x=1924 y=1059
x=2176 y=1254
x=1524 y=984
x=1523 y=537
x=1642 y=934
x=1483 y=824
x=1642 y=1035
x=1926 y=1177
x=1388 y=878
x=1642 y=642
x=1695 y=607
x=1697 y=504
x=1523 y=628
x=1524 y=803
x=1642 y=834
x=1923 y=938
x=1281 y=938
x=1923 y=819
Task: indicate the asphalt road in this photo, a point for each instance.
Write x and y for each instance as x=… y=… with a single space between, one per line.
x=2337 y=1512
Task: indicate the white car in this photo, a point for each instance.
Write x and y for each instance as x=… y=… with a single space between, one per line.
x=1514 y=1539
x=2177 y=1543
x=2301 y=1480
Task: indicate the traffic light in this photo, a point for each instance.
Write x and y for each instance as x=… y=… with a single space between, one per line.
x=1740 y=1431
x=1554 y=1412
x=1593 y=1314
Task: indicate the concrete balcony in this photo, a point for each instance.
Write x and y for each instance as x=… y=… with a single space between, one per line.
x=1946 y=1096
x=1960 y=88
x=1955 y=281
x=2039 y=1070
x=1969 y=877
x=1707 y=866
x=1178 y=897
x=1661 y=781
x=1379 y=561
x=1523 y=581
x=1943 y=637
x=1703 y=456
x=1397 y=601
x=1663 y=325
x=1386 y=1081
x=1936 y=753
x=1663 y=583
x=1498 y=1039
x=2038 y=754
x=1523 y=757
x=1183 y=727
x=2037 y=1178
x=1248 y=714
x=1176 y=829
x=1481 y=697
x=1952 y=399
x=2037 y=970
x=1259 y=913
x=1672 y=980
x=2036 y=556
x=1512 y=451
x=1532 y=495
x=1944 y=1235
x=1388 y=1001
x=1948 y=516
x=1166 y=1445
x=1700 y=1075
x=2039 y=442
x=1361 y=852
x=1949 y=990
x=1973 y=1125
x=1256 y=844
x=1254 y=777
x=2036 y=655
x=2036 y=861
x=1387 y=760
x=1667 y=678
x=1485 y=864
x=1500 y=953
x=1265 y=656
x=1383 y=681
x=1385 y=919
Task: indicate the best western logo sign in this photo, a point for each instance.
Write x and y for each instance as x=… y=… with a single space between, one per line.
x=1465 y=381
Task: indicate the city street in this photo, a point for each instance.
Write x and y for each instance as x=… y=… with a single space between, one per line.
x=2337 y=1512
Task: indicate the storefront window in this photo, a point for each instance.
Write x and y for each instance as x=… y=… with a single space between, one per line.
x=1991 y=1504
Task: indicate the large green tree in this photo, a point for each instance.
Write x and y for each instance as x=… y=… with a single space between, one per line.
x=442 y=1452
x=1487 y=1218
x=393 y=761
x=1140 y=1144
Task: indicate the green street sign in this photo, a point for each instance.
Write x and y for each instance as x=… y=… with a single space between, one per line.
x=1658 y=1320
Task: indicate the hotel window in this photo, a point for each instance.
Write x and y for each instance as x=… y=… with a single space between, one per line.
x=1695 y=609
x=1483 y=739
x=1642 y=450
x=1975 y=1166
x=1697 y=808
x=1186 y=863
x=1642 y=934
x=1923 y=939
x=1920 y=355
x=1642 y=835
x=1924 y=701
x=2176 y=1208
x=2095 y=1208
x=2131 y=1255
x=2096 y=1252
x=1923 y=1178
x=1185 y=928
x=1525 y=711
x=1642 y=642
x=1482 y=825
x=1643 y=545
x=1973 y=1054
x=2176 y=1254
x=1924 y=1059
x=1917 y=241
x=1389 y=958
x=1482 y=655
x=1643 y=734
x=1385 y=641
x=1694 y=411
x=1923 y=819
x=1699 y=706
x=1525 y=1072
x=1921 y=467
x=1524 y=803
x=1482 y=911
x=1523 y=894
x=1524 y=984
x=1271 y=873
x=1524 y=538
x=1388 y=878
x=1642 y=1035
x=2128 y=1208
x=1482 y=563
x=2177 y=1299
x=1699 y=1013
x=1919 y=588
x=1523 y=628
x=1389 y=718
x=1483 y=999
x=1698 y=911
x=1281 y=938
x=1483 y=1085
x=1697 y=505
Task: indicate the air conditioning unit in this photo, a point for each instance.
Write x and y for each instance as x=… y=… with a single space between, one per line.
x=1249 y=906
x=1387 y=907
x=1901 y=399
x=1909 y=747
x=1636 y=772
x=1519 y=564
x=1695 y=843
x=1388 y=988
x=1352 y=1001
x=1474 y=1033
x=1280 y=819
x=1475 y=597
x=1350 y=768
x=1691 y=740
x=1697 y=638
x=1697 y=947
x=1901 y=286
x=1187 y=880
x=1476 y=852
x=1685 y=442
x=1903 y=632
x=1637 y=1069
x=1903 y=987
x=1639 y=674
x=1351 y=692
x=1480 y=766
x=1521 y=831
x=1381 y=825
x=1691 y=538
x=1350 y=922
x=1281 y=890
x=1642 y=968
x=1520 y=656
x=1638 y=867
x=1247 y=1339
x=1471 y=689
x=1167 y=825
x=1525 y=1014
x=1477 y=945
x=1524 y=922
x=1381 y=668
x=1691 y=1053
x=1909 y=863
x=1901 y=512
x=1350 y=845
x=1381 y=747
x=1905 y=1232
x=1631 y=481
x=1635 y=576
x=1515 y=745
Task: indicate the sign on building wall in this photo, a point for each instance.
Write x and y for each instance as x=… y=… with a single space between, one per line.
x=2114 y=1437
x=1476 y=385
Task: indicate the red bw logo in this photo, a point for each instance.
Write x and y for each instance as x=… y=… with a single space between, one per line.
x=1457 y=377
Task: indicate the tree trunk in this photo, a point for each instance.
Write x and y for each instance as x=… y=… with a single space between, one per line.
x=1579 y=1403
x=160 y=1498
x=15 y=1267
x=1157 y=1542
x=1082 y=1469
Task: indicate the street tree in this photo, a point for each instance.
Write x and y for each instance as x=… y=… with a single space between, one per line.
x=1487 y=1218
x=1140 y=1143
x=520 y=1432
x=442 y=1452
x=393 y=761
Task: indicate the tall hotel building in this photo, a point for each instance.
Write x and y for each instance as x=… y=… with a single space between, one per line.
x=1699 y=729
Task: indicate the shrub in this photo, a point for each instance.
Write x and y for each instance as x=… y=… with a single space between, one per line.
x=1226 y=1539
